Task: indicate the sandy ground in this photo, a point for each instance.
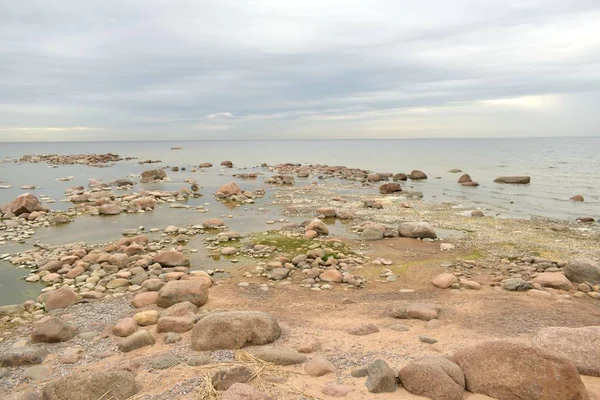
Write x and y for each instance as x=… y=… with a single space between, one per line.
x=306 y=317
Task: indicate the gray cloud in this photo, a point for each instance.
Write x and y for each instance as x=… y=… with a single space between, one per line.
x=110 y=69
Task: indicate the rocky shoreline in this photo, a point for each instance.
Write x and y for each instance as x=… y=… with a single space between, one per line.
x=364 y=298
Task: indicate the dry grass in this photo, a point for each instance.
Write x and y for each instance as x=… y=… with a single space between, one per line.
x=168 y=378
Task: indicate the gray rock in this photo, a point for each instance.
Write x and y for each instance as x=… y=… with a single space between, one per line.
x=371 y=232
x=172 y=337
x=380 y=378
x=427 y=339
x=363 y=330
x=17 y=356
x=38 y=373
x=278 y=274
x=517 y=284
x=164 y=362
x=582 y=270
x=197 y=361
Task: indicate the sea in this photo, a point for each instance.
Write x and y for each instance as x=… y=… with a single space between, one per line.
x=559 y=168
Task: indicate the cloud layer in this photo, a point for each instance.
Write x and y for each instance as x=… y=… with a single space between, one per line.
x=114 y=70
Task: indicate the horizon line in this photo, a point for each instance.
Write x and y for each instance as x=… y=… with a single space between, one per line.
x=302 y=139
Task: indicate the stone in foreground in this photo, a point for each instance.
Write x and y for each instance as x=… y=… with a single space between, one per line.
x=175 y=292
x=53 y=330
x=115 y=385
x=18 y=356
x=508 y=370
x=60 y=298
x=583 y=270
x=434 y=377
x=234 y=330
x=380 y=378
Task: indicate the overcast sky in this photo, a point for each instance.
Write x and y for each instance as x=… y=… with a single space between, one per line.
x=155 y=70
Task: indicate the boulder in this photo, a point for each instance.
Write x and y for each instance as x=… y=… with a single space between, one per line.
x=415 y=174
x=242 y=391
x=444 y=280
x=154 y=174
x=319 y=366
x=389 y=188
x=555 y=280
x=372 y=231
x=53 y=330
x=420 y=230
x=318 y=226
x=516 y=285
x=513 y=179
x=171 y=258
x=23 y=204
x=144 y=299
x=102 y=384
x=582 y=270
x=449 y=380
x=125 y=327
x=508 y=370
x=194 y=291
x=380 y=378
x=110 y=209
x=331 y=275
x=234 y=330
x=183 y=309
x=465 y=178
x=400 y=177
x=229 y=189
x=213 y=223
x=18 y=356
x=578 y=345
x=60 y=298
x=136 y=340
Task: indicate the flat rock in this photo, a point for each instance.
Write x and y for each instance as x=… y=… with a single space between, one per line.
x=279 y=356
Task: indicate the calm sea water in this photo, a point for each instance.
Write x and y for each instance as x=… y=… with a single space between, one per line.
x=559 y=167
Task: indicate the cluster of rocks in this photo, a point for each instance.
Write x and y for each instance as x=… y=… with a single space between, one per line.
x=131 y=264
x=375 y=231
x=342 y=172
x=465 y=180
x=231 y=192
x=579 y=276
x=100 y=200
x=92 y=160
x=280 y=180
x=25 y=206
x=317 y=267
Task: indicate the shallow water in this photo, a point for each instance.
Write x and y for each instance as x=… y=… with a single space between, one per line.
x=559 y=169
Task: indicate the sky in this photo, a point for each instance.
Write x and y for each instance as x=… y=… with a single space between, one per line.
x=284 y=69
